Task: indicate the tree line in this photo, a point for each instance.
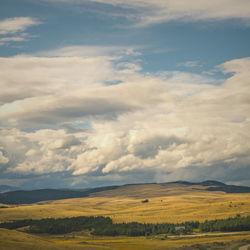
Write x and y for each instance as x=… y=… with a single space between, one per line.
x=226 y=225
x=103 y=226
x=60 y=225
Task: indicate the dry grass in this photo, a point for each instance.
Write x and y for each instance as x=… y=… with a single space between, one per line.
x=10 y=239
x=142 y=243
x=175 y=203
x=13 y=240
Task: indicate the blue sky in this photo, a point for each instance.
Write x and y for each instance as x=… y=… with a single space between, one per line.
x=163 y=45
x=113 y=91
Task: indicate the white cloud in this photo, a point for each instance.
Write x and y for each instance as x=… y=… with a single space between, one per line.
x=61 y=71
x=45 y=76
x=205 y=129
x=44 y=151
x=241 y=65
x=147 y=123
x=65 y=89
x=3 y=159
x=19 y=37
x=125 y=163
x=11 y=29
x=148 y=12
x=6 y=40
x=16 y=24
x=90 y=51
x=66 y=142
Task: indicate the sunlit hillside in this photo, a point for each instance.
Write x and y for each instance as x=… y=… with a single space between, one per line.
x=166 y=203
x=14 y=240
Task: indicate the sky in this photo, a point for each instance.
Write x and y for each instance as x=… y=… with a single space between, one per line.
x=109 y=92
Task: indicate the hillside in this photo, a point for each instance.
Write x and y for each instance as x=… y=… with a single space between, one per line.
x=33 y=196
x=14 y=240
x=167 y=202
x=10 y=239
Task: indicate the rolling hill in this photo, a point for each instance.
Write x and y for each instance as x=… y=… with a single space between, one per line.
x=33 y=196
x=167 y=202
x=14 y=240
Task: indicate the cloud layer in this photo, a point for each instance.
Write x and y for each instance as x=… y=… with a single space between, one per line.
x=148 y=12
x=65 y=115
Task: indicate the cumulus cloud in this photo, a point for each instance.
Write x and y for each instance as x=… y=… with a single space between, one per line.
x=199 y=130
x=162 y=125
x=63 y=89
x=40 y=152
x=45 y=76
x=148 y=12
x=61 y=72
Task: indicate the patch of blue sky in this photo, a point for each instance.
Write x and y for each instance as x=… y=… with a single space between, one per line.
x=62 y=26
x=115 y=82
x=174 y=43
x=83 y=125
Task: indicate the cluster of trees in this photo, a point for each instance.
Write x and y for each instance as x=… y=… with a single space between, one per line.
x=100 y=225
x=61 y=225
x=16 y=224
x=226 y=225
x=134 y=229
x=144 y=229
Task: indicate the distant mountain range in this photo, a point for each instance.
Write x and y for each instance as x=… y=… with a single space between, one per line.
x=33 y=196
x=218 y=186
x=6 y=188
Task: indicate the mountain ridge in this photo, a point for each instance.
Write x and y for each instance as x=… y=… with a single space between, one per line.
x=7 y=188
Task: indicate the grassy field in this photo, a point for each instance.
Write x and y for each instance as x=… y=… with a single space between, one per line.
x=14 y=240
x=172 y=203
x=158 y=242
x=10 y=239
x=175 y=203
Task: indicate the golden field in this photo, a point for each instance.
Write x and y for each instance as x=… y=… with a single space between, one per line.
x=156 y=243
x=167 y=203
x=14 y=240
